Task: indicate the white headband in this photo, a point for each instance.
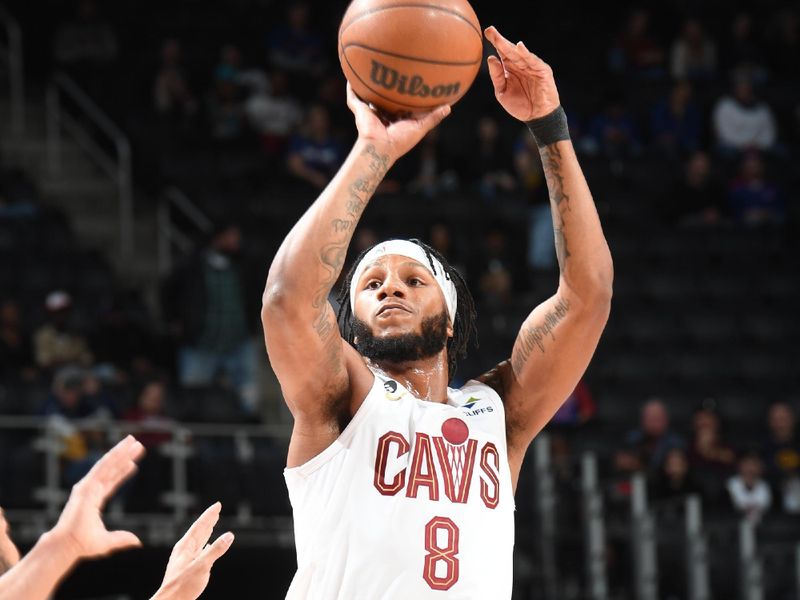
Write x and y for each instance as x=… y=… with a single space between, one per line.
x=411 y=250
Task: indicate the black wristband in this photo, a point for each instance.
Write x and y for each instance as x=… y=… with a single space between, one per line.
x=550 y=129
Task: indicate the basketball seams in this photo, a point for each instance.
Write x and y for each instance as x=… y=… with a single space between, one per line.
x=414 y=58
x=372 y=11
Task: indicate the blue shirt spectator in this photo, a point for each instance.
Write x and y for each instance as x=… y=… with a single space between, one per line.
x=753 y=199
x=675 y=121
x=314 y=154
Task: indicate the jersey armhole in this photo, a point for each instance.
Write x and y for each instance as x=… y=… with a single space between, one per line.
x=340 y=443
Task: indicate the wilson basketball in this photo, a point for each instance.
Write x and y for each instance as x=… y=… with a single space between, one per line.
x=410 y=55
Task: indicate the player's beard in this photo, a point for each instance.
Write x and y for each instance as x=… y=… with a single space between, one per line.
x=405 y=347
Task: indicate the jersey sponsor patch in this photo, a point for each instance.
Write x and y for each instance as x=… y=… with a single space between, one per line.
x=473 y=410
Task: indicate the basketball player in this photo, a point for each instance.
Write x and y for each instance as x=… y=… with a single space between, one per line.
x=402 y=487
x=80 y=534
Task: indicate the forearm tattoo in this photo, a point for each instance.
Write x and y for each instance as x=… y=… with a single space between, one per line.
x=535 y=337
x=332 y=255
x=559 y=199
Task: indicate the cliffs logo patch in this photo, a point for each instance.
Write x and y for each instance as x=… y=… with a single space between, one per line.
x=471 y=402
x=472 y=411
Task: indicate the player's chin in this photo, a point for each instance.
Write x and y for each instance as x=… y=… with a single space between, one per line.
x=387 y=328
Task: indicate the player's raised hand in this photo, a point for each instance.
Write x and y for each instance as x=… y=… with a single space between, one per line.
x=396 y=136
x=523 y=82
x=9 y=555
x=189 y=566
x=80 y=527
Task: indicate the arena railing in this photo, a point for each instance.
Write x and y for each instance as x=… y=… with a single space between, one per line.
x=11 y=54
x=117 y=166
x=155 y=528
x=594 y=527
x=169 y=235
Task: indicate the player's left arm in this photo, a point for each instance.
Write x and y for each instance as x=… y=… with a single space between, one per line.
x=558 y=339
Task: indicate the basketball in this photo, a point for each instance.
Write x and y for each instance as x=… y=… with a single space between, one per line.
x=408 y=56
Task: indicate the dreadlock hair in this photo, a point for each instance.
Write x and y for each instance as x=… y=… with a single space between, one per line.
x=464 y=324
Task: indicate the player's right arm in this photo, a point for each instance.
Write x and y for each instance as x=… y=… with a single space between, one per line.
x=321 y=376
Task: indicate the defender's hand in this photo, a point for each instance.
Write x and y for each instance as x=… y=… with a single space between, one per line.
x=189 y=567
x=9 y=555
x=523 y=82
x=80 y=528
x=396 y=137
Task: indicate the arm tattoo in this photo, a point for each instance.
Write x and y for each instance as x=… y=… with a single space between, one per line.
x=333 y=254
x=551 y=162
x=535 y=336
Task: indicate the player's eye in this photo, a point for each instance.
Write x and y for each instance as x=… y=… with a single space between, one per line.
x=373 y=284
x=414 y=281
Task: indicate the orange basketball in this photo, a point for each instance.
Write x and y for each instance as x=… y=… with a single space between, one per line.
x=410 y=55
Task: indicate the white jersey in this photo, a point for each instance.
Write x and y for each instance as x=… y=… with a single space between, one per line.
x=412 y=501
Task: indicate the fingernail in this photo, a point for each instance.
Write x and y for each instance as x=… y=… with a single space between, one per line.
x=227 y=538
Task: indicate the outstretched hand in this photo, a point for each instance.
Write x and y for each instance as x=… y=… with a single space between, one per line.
x=190 y=563
x=81 y=526
x=9 y=555
x=397 y=136
x=523 y=82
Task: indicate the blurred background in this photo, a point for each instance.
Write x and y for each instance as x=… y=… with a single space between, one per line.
x=154 y=154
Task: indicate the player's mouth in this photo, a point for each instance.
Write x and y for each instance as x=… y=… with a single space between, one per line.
x=391 y=307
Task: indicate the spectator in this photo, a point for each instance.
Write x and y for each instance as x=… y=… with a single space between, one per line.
x=749 y=493
x=496 y=279
x=429 y=168
x=636 y=52
x=781 y=453
x=16 y=350
x=742 y=53
x=226 y=111
x=206 y=300
x=697 y=199
x=67 y=402
x=314 y=154
x=149 y=413
x=440 y=238
x=676 y=122
x=172 y=96
x=653 y=439
x=579 y=407
x=87 y=41
x=230 y=65
x=675 y=479
x=625 y=464
x=710 y=458
x=294 y=46
x=273 y=114
x=541 y=254
x=754 y=200
x=694 y=55
x=742 y=122
x=613 y=133
x=489 y=161
x=56 y=342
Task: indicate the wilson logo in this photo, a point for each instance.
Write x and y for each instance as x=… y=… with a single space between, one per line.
x=391 y=79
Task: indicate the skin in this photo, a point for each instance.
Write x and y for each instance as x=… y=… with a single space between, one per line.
x=324 y=380
x=9 y=555
x=80 y=534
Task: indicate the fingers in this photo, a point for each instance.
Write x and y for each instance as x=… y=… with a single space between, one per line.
x=120 y=540
x=516 y=54
x=498 y=74
x=117 y=465
x=436 y=116
x=220 y=546
x=197 y=535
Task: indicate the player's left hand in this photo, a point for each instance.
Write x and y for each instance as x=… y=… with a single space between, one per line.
x=9 y=555
x=523 y=82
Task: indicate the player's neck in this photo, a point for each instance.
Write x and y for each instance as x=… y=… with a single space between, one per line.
x=425 y=378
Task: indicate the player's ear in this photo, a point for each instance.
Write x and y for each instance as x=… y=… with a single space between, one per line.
x=449 y=330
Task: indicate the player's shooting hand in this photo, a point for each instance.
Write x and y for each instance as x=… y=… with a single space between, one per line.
x=523 y=82
x=395 y=136
x=189 y=566
x=9 y=555
x=80 y=528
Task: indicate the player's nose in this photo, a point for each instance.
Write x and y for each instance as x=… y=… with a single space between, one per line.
x=392 y=286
